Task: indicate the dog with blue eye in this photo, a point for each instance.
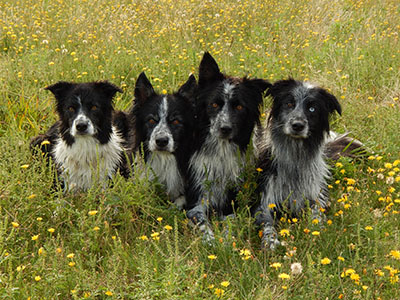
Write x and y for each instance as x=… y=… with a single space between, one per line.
x=293 y=151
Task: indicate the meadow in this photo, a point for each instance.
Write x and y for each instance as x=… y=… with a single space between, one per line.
x=128 y=242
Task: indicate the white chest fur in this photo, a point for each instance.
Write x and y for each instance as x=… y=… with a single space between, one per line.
x=87 y=162
x=164 y=167
x=296 y=180
x=216 y=167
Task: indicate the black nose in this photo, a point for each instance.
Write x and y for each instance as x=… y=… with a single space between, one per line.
x=298 y=126
x=225 y=130
x=162 y=142
x=81 y=127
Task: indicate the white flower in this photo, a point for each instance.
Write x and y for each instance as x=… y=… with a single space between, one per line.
x=296 y=268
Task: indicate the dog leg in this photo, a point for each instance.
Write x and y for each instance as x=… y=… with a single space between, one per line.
x=199 y=218
x=180 y=202
x=270 y=237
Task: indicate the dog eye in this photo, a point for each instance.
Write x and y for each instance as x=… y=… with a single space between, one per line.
x=239 y=107
x=215 y=105
x=175 y=122
x=94 y=107
x=290 y=105
x=152 y=121
x=311 y=109
x=71 y=109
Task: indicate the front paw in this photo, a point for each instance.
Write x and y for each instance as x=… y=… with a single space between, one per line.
x=208 y=234
x=180 y=202
x=269 y=238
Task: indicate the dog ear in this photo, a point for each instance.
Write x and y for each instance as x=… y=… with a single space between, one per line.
x=281 y=86
x=107 y=88
x=143 y=88
x=209 y=71
x=188 y=89
x=60 y=88
x=259 y=84
x=331 y=102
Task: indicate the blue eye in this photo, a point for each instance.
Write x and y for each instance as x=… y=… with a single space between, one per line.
x=311 y=109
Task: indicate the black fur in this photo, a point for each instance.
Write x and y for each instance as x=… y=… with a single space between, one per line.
x=176 y=136
x=94 y=100
x=227 y=110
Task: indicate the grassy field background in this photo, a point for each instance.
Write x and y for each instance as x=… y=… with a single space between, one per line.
x=127 y=242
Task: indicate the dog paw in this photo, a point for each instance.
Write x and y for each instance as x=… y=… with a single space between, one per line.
x=180 y=202
x=269 y=239
x=208 y=234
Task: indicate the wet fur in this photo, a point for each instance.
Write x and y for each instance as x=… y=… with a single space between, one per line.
x=293 y=159
x=227 y=110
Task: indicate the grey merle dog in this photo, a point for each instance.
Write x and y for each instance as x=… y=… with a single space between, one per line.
x=294 y=148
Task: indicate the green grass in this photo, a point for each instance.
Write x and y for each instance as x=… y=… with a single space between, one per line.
x=122 y=249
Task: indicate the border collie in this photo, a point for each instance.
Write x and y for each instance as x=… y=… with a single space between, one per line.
x=227 y=109
x=88 y=142
x=293 y=158
x=164 y=130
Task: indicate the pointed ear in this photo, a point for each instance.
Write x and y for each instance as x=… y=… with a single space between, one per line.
x=60 y=88
x=331 y=102
x=143 y=88
x=188 y=89
x=107 y=88
x=209 y=71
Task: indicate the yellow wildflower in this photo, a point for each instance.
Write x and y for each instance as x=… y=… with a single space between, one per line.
x=275 y=265
x=225 y=283
x=395 y=254
x=219 y=292
x=168 y=227
x=15 y=224
x=212 y=257
x=284 y=232
x=284 y=276
x=325 y=261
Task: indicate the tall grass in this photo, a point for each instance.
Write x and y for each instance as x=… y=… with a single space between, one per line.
x=128 y=242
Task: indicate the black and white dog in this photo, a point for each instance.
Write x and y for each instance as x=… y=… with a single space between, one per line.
x=293 y=158
x=164 y=127
x=227 y=110
x=89 y=140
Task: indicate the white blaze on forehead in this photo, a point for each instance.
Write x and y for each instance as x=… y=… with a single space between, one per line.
x=163 y=110
x=162 y=129
x=302 y=91
x=228 y=89
x=79 y=100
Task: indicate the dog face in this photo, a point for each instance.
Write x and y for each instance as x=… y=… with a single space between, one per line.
x=163 y=121
x=301 y=110
x=228 y=106
x=84 y=109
